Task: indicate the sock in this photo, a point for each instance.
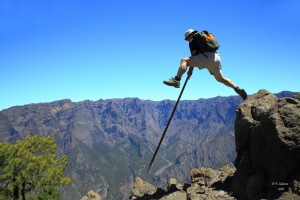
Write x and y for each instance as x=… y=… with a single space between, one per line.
x=177 y=78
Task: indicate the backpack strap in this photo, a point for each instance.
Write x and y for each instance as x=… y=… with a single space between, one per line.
x=204 y=54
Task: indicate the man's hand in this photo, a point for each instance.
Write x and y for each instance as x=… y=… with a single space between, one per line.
x=190 y=72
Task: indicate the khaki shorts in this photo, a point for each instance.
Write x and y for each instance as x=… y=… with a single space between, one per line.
x=212 y=62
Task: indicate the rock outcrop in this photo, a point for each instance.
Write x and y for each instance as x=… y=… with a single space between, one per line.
x=91 y=195
x=141 y=188
x=267 y=133
x=206 y=183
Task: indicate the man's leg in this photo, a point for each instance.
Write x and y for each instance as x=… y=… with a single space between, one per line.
x=229 y=83
x=184 y=64
x=225 y=81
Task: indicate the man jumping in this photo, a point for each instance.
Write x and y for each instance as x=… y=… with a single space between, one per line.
x=209 y=60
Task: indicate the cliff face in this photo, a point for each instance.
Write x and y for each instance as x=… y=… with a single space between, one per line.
x=267 y=166
x=267 y=134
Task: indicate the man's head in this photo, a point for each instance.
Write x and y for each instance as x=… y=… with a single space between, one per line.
x=189 y=34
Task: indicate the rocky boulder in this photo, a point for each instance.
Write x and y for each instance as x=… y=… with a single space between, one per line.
x=141 y=188
x=91 y=195
x=267 y=134
x=206 y=183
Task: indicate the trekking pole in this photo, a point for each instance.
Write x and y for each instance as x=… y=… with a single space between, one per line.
x=161 y=139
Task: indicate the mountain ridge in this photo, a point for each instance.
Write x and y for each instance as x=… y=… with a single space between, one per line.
x=109 y=140
x=284 y=93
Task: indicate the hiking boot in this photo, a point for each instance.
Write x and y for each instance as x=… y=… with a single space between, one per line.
x=172 y=82
x=241 y=92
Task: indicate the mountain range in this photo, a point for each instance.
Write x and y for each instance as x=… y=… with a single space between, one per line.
x=110 y=142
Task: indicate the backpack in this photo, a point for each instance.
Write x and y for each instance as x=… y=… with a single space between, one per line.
x=206 y=41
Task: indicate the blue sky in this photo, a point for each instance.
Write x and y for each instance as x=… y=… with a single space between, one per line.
x=104 y=49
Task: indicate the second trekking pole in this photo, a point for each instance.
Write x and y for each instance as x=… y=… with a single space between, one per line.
x=170 y=119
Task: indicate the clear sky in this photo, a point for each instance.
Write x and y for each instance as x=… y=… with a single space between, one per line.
x=104 y=49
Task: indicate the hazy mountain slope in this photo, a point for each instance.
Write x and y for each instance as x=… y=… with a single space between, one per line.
x=109 y=142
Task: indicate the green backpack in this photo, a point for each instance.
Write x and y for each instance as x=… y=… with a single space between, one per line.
x=206 y=41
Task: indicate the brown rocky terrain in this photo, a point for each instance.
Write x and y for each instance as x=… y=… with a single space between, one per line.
x=267 y=135
x=206 y=183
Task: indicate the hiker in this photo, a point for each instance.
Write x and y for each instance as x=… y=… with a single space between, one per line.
x=201 y=59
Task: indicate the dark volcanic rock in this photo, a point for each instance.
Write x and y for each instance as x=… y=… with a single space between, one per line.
x=267 y=133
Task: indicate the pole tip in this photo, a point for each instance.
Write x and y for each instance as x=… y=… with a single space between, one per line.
x=149 y=168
